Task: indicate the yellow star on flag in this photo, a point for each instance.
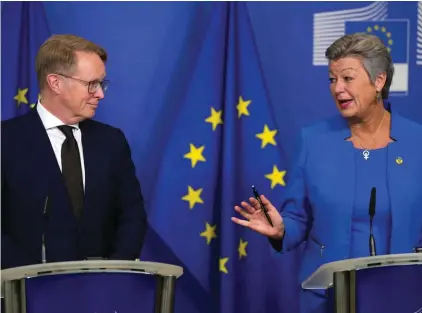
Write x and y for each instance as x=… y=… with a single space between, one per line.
x=223 y=268
x=276 y=177
x=242 y=248
x=209 y=232
x=21 y=96
x=215 y=118
x=195 y=154
x=34 y=104
x=267 y=136
x=193 y=197
x=242 y=107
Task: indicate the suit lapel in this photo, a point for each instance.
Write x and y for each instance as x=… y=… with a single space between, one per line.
x=90 y=153
x=44 y=165
x=397 y=170
x=331 y=179
x=342 y=157
x=43 y=160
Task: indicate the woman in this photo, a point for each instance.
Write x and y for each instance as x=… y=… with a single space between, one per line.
x=339 y=161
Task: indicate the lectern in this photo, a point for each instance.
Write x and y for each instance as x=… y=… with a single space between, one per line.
x=103 y=286
x=376 y=284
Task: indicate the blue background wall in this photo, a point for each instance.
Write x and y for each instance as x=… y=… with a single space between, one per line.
x=149 y=46
x=140 y=35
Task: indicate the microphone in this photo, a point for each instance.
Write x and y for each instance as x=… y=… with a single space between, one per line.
x=372 y=204
x=45 y=215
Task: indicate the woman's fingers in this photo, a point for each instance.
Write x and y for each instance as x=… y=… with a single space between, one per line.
x=240 y=222
x=242 y=212
x=255 y=204
x=250 y=209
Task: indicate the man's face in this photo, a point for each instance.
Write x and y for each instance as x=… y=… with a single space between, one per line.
x=82 y=91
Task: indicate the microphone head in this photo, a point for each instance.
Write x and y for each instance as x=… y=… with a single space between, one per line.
x=372 y=201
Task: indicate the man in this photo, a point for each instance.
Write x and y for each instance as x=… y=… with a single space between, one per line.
x=68 y=184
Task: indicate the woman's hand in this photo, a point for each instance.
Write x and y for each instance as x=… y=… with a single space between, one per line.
x=256 y=220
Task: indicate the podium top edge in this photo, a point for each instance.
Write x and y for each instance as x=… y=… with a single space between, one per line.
x=322 y=278
x=74 y=267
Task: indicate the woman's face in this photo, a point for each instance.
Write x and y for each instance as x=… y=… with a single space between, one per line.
x=351 y=87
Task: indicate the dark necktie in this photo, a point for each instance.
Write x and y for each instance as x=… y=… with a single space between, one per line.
x=72 y=170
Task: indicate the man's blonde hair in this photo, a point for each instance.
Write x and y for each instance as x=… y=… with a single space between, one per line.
x=57 y=55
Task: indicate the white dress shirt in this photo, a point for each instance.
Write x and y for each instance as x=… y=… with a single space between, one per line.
x=57 y=138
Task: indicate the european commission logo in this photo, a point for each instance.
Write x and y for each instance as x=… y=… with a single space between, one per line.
x=372 y=19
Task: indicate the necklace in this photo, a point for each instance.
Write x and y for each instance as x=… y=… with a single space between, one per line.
x=365 y=152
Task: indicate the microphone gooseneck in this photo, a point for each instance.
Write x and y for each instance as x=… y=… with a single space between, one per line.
x=372 y=204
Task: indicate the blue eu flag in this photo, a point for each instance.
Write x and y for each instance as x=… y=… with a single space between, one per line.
x=223 y=140
x=24 y=29
x=393 y=34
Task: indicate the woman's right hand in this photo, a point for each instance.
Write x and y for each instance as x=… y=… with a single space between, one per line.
x=256 y=220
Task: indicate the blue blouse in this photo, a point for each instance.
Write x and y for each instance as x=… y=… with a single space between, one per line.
x=371 y=173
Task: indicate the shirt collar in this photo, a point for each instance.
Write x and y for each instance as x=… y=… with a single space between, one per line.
x=48 y=119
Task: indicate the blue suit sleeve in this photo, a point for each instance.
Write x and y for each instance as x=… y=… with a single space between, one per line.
x=131 y=219
x=295 y=208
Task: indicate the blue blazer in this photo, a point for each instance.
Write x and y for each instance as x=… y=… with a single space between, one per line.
x=319 y=199
x=114 y=221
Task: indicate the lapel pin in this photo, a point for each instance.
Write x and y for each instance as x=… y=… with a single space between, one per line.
x=399 y=160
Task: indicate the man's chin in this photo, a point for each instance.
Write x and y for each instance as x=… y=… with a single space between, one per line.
x=90 y=112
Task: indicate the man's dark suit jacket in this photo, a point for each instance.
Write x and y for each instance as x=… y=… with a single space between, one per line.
x=114 y=220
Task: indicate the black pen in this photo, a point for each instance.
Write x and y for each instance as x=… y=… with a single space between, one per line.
x=256 y=195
